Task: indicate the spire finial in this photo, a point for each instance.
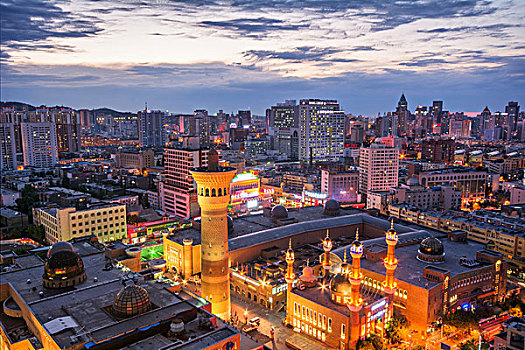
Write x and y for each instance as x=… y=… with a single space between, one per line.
x=392 y=223
x=344 y=258
x=327 y=230
x=290 y=244
x=357 y=234
x=307 y=262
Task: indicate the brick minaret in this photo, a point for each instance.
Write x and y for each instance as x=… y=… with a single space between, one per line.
x=327 y=246
x=290 y=278
x=213 y=190
x=390 y=262
x=356 y=277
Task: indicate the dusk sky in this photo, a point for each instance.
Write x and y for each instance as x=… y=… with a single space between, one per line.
x=184 y=55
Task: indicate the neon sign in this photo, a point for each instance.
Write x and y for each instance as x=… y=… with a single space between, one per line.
x=315 y=195
x=244 y=177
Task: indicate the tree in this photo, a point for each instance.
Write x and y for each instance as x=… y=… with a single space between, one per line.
x=461 y=319
x=372 y=342
x=473 y=344
x=396 y=329
x=28 y=200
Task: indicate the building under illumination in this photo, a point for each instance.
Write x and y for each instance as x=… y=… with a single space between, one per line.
x=246 y=194
x=321 y=130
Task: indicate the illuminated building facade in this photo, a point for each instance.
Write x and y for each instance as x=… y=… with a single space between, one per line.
x=321 y=130
x=337 y=313
x=8 y=159
x=246 y=194
x=107 y=222
x=341 y=186
x=177 y=192
x=471 y=182
x=151 y=128
x=378 y=168
x=39 y=142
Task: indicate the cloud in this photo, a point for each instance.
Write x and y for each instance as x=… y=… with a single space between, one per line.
x=492 y=27
x=298 y=55
x=254 y=26
x=37 y=20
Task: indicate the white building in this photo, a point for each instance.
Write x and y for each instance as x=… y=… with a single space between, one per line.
x=378 y=168
x=7 y=147
x=321 y=126
x=39 y=142
x=107 y=222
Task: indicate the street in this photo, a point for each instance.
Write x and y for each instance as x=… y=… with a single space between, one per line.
x=268 y=318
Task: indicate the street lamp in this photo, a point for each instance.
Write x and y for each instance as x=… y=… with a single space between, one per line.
x=246 y=316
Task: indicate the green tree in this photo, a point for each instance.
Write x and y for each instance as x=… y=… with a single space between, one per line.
x=396 y=329
x=461 y=319
x=372 y=342
x=473 y=344
x=28 y=200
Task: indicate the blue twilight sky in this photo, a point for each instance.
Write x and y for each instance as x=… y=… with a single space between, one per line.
x=181 y=55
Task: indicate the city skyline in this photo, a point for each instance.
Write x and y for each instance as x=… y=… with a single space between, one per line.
x=186 y=55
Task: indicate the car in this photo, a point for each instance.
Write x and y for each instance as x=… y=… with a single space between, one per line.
x=256 y=321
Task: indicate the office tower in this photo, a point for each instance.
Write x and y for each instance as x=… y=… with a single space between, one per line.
x=378 y=167
x=151 y=128
x=213 y=189
x=39 y=142
x=67 y=129
x=357 y=133
x=15 y=118
x=85 y=118
x=403 y=115
x=437 y=110
x=283 y=121
x=200 y=126
x=512 y=110
x=487 y=119
x=8 y=159
x=438 y=151
x=340 y=185
x=460 y=128
x=178 y=191
x=245 y=118
x=321 y=130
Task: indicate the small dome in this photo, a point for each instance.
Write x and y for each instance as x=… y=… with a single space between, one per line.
x=63 y=264
x=308 y=275
x=431 y=250
x=413 y=181
x=279 y=212
x=340 y=285
x=431 y=246
x=130 y=301
x=357 y=247
x=331 y=207
x=59 y=246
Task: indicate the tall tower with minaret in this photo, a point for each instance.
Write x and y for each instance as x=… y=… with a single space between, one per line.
x=390 y=262
x=290 y=278
x=213 y=190
x=356 y=302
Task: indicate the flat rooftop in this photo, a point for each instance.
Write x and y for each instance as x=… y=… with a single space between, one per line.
x=409 y=268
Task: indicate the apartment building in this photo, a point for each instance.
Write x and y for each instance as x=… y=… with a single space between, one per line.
x=107 y=222
x=178 y=191
x=341 y=186
x=378 y=168
x=470 y=181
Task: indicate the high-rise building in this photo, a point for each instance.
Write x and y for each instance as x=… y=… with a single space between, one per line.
x=378 y=167
x=67 y=124
x=403 y=115
x=341 y=186
x=12 y=117
x=178 y=191
x=8 y=159
x=283 y=121
x=460 y=128
x=438 y=151
x=245 y=118
x=151 y=128
x=512 y=110
x=85 y=118
x=213 y=189
x=200 y=126
x=39 y=142
x=437 y=110
x=321 y=126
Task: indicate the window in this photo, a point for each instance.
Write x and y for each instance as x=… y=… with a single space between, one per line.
x=329 y=324
x=343 y=326
x=303 y=313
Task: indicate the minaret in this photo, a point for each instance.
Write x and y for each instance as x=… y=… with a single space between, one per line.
x=390 y=262
x=213 y=190
x=356 y=277
x=290 y=278
x=327 y=246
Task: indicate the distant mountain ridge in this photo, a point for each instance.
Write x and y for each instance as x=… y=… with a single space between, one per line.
x=21 y=106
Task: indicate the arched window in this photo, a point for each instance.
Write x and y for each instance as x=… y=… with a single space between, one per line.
x=207 y=192
x=213 y=193
x=220 y=192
